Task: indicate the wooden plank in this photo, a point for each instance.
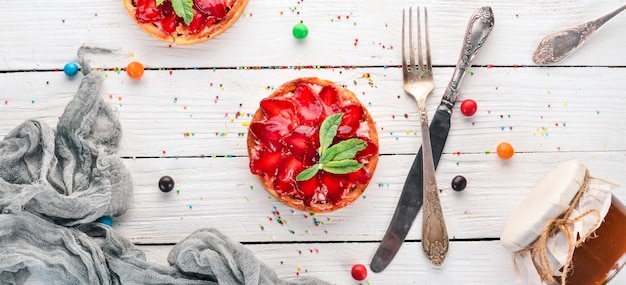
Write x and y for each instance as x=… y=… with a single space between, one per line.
x=333 y=262
x=483 y=262
x=263 y=34
x=204 y=112
x=233 y=201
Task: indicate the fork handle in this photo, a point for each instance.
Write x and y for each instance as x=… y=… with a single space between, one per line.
x=434 y=232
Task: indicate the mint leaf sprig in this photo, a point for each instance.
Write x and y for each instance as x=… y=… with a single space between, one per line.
x=336 y=159
x=182 y=8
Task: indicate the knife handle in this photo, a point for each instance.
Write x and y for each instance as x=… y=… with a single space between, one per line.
x=478 y=29
x=439 y=128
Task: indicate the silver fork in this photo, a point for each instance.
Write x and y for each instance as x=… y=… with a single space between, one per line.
x=419 y=83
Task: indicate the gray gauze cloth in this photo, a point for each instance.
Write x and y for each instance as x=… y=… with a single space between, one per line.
x=54 y=185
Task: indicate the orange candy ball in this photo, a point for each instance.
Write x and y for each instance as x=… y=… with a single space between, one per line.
x=505 y=150
x=134 y=70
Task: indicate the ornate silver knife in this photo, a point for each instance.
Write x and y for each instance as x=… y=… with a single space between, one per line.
x=411 y=200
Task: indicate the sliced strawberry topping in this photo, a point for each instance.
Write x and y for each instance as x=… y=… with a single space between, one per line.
x=170 y=23
x=265 y=163
x=280 y=111
x=169 y=19
x=214 y=8
x=351 y=120
x=303 y=145
x=198 y=22
x=269 y=134
x=288 y=168
x=360 y=176
x=310 y=111
x=370 y=150
x=278 y=107
x=329 y=97
x=335 y=186
x=308 y=190
x=166 y=9
x=147 y=11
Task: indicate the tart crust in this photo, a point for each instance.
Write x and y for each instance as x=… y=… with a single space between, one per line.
x=181 y=36
x=353 y=194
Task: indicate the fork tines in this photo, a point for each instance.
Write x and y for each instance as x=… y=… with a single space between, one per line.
x=426 y=38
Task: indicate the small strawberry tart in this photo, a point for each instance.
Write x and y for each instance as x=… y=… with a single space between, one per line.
x=313 y=145
x=184 y=22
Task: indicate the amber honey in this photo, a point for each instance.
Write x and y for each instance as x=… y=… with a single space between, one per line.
x=601 y=256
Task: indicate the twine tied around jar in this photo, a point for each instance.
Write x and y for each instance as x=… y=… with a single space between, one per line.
x=539 y=250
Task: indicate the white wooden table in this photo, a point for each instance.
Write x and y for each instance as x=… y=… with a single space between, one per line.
x=187 y=117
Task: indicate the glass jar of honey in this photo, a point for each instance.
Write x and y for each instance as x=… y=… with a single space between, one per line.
x=569 y=229
x=601 y=257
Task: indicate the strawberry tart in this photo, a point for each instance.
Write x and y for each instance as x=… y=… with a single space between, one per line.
x=184 y=22
x=313 y=145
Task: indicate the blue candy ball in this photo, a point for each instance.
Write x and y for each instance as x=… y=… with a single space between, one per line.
x=70 y=69
x=105 y=220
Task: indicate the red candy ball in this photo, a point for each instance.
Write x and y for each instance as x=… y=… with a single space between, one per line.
x=359 y=272
x=469 y=107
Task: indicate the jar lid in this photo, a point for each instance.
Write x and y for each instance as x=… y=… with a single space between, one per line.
x=549 y=199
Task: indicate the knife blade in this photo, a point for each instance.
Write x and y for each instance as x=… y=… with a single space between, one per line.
x=411 y=199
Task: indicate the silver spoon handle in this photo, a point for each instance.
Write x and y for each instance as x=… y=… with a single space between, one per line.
x=558 y=46
x=480 y=25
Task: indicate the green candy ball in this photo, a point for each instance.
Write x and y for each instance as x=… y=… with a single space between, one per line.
x=300 y=31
